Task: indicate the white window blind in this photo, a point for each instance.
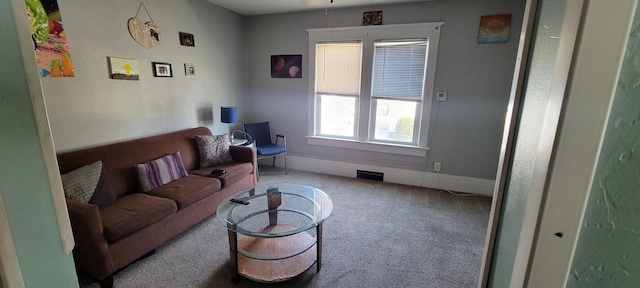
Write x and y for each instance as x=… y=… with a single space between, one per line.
x=399 y=69
x=338 y=68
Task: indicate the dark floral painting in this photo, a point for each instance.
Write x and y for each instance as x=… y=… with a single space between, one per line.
x=372 y=18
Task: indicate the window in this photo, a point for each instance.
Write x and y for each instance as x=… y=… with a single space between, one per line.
x=397 y=89
x=338 y=67
x=371 y=87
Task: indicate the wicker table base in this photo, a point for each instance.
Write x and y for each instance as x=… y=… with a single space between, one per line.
x=277 y=270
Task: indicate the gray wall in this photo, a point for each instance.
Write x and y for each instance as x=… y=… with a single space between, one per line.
x=607 y=253
x=465 y=131
x=92 y=109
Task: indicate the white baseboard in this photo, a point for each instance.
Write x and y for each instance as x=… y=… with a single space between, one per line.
x=477 y=186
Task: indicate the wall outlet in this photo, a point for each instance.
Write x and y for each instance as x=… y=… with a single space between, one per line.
x=441 y=96
x=437 y=166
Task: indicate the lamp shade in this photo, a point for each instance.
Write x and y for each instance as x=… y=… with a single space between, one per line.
x=229 y=114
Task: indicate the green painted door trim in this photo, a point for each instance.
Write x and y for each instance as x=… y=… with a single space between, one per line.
x=607 y=253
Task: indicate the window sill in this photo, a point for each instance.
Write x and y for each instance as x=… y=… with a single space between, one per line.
x=368 y=146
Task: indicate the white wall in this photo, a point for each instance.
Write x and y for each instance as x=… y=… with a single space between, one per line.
x=92 y=109
x=465 y=131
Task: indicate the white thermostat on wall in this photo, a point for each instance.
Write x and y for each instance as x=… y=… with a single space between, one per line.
x=441 y=96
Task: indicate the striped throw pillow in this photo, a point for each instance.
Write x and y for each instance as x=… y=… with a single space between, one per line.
x=156 y=173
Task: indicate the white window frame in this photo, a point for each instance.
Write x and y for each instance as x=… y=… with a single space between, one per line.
x=368 y=35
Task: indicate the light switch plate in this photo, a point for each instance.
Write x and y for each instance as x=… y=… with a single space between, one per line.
x=441 y=96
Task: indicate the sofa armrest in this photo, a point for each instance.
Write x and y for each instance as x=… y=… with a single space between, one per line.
x=91 y=252
x=246 y=154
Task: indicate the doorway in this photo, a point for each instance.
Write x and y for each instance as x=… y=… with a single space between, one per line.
x=544 y=178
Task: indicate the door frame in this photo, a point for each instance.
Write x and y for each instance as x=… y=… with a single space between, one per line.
x=588 y=98
x=10 y=272
x=585 y=79
x=508 y=137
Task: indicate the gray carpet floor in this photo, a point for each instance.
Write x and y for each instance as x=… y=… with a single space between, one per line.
x=379 y=235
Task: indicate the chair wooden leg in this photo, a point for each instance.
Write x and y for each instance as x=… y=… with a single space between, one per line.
x=107 y=282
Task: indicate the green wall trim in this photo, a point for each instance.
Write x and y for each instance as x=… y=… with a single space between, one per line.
x=24 y=182
x=608 y=250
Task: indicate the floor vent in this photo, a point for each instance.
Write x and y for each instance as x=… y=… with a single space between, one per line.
x=370 y=175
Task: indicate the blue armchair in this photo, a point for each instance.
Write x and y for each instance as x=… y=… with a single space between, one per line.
x=266 y=147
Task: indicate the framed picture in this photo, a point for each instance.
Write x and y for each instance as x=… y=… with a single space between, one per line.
x=286 y=66
x=123 y=68
x=189 y=70
x=372 y=18
x=494 y=28
x=186 y=39
x=162 y=69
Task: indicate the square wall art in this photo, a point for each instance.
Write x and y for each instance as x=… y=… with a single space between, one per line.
x=186 y=39
x=286 y=66
x=494 y=28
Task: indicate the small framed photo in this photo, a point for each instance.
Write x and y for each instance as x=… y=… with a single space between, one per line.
x=189 y=70
x=162 y=69
x=186 y=39
x=372 y=18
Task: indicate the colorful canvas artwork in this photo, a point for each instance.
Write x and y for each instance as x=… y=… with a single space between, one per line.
x=123 y=68
x=494 y=28
x=286 y=66
x=47 y=32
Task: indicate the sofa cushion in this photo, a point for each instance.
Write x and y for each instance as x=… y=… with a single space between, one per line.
x=187 y=190
x=158 y=172
x=89 y=184
x=132 y=213
x=214 y=150
x=235 y=172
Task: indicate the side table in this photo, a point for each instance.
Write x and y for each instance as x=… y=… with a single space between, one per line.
x=271 y=233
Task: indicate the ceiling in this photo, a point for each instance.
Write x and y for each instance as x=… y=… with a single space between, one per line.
x=259 y=7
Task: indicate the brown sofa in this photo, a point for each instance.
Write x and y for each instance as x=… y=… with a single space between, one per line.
x=109 y=238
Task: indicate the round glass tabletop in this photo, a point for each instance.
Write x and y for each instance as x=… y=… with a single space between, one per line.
x=253 y=211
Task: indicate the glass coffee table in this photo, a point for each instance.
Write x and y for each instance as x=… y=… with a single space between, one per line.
x=271 y=235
